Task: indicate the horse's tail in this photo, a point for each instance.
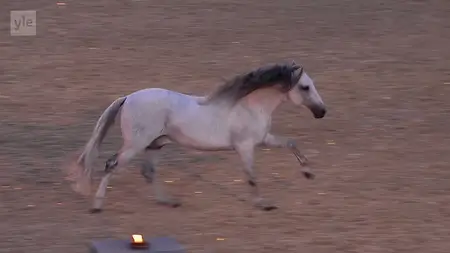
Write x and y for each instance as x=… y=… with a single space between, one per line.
x=81 y=170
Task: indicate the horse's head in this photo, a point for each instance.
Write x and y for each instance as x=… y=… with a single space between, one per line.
x=304 y=92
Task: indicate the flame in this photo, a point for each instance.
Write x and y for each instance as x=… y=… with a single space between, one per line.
x=137 y=239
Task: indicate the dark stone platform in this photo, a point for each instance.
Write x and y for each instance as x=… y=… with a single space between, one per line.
x=156 y=245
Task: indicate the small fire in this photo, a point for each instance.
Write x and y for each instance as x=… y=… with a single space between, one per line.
x=137 y=239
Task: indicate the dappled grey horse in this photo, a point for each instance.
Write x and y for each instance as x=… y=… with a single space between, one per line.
x=237 y=116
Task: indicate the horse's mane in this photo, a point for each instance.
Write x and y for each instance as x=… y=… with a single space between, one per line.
x=263 y=77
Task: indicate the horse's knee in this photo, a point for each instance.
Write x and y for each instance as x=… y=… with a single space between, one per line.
x=111 y=163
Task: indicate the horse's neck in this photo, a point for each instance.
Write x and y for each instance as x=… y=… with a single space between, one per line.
x=264 y=100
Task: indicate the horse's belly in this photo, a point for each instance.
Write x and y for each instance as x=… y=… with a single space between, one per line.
x=200 y=135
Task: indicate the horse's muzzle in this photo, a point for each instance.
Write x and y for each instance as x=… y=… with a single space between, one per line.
x=319 y=112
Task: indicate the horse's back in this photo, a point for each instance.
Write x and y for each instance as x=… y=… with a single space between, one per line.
x=153 y=107
x=148 y=94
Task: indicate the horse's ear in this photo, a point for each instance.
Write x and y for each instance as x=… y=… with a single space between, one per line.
x=295 y=67
x=296 y=76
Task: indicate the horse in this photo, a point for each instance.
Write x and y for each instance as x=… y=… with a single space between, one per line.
x=236 y=116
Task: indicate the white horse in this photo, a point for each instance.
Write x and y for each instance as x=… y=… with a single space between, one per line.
x=237 y=116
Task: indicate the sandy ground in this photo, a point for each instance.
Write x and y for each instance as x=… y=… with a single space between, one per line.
x=381 y=154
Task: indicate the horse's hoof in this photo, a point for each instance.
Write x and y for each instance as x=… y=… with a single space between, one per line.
x=265 y=205
x=269 y=208
x=309 y=175
x=176 y=204
x=95 y=210
x=170 y=203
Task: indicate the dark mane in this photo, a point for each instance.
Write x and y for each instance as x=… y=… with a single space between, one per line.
x=263 y=77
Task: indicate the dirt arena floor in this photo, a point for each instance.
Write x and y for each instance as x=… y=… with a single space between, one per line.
x=381 y=154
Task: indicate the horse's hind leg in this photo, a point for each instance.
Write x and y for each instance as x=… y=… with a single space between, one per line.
x=148 y=171
x=117 y=160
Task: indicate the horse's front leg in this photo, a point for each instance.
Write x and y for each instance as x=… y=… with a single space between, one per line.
x=246 y=153
x=283 y=142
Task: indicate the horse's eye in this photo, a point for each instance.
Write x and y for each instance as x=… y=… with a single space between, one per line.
x=305 y=88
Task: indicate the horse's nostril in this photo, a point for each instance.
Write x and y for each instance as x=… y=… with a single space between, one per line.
x=319 y=113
